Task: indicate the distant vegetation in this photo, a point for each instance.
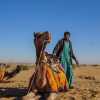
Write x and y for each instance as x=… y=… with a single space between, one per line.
x=26 y=67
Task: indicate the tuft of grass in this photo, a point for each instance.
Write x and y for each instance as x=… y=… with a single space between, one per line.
x=95 y=65
x=26 y=67
x=74 y=66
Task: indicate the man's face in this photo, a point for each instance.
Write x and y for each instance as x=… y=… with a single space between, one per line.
x=66 y=37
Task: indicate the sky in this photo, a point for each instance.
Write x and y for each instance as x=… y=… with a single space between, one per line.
x=20 y=18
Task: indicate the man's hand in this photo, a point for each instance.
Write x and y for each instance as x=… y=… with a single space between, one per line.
x=77 y=63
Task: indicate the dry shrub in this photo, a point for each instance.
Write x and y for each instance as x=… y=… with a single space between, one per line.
x=26 y=67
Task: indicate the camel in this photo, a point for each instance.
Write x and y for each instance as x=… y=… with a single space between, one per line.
x=49 y=75
x=14 y=72
x=2 y=71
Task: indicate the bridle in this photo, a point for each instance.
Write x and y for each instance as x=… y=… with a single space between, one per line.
x=37 y=66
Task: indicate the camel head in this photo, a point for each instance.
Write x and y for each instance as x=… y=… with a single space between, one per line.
x=41 y=39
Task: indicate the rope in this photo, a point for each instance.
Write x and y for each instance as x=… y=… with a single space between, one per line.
x=36 y=67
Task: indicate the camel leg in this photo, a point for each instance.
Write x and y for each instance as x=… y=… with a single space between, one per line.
x=31 y=87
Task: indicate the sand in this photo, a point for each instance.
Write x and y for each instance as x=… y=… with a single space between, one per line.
x=86 y=85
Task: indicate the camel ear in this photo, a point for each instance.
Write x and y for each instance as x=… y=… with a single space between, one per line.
x=34 y=34
x=46 y=32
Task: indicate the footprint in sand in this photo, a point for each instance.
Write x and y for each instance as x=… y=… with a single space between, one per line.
x=87 y=77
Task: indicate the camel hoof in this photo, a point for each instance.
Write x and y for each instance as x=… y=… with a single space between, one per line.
x=52 y=96
x=31 y=96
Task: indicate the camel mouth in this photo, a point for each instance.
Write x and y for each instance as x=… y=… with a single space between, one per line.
x=48 y=39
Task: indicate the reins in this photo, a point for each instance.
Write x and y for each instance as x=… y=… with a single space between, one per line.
x=36 y=67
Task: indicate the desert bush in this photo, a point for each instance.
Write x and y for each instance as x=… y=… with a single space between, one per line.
x=95 y=65
x=26 y=67
x=74 y=66
x=23 y=67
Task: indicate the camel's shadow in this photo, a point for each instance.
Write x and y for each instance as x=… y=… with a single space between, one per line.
x=12 y=92
x=18 y=93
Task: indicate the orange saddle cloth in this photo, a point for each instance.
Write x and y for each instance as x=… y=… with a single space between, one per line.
x=55 y=79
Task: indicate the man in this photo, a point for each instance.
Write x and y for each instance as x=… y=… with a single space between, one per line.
x=64 y=51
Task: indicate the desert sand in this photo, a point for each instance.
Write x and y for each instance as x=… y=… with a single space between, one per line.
x=86 y=85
